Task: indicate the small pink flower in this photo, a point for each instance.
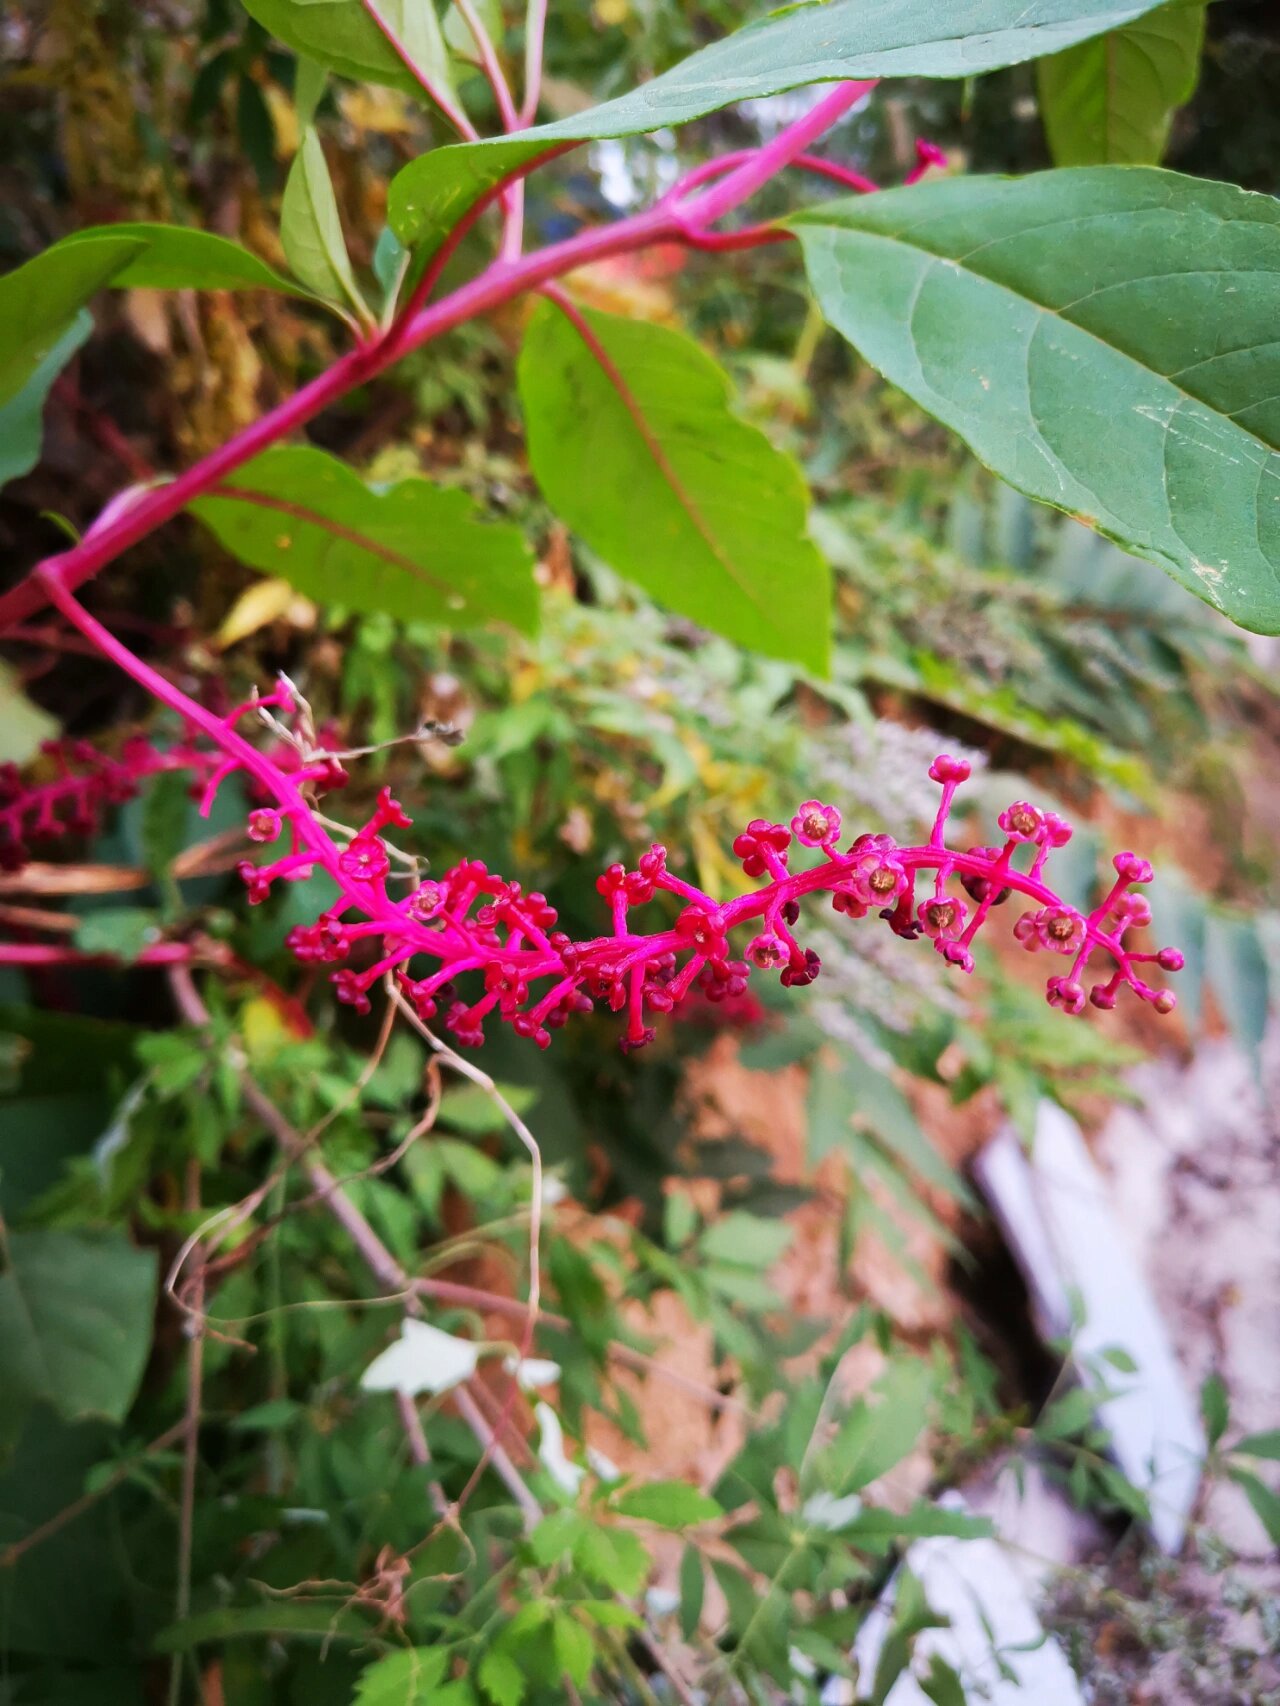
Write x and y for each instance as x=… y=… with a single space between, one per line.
x=955 y=955
x=1132 y=868
x=846 y=901
x=612 y=882
x=1057 y=831
x=758 y=841
x=1064 y=992
x=1170 y=959
x=1131 y=911
x=654 y=862
x=878 y=878
x=767 y=952
x=387 y=814
x=943 y=917
x=264 y=825
x=815 y=824
x=350 y=987
x=702 y=932
x=365 y=859
x=1022 y=821
x=945 y=769
x=1060 y=929
x=425 y=902
x=257 y=884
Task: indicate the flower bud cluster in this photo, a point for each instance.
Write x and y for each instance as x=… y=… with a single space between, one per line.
x=71 y=802
x=468 y=946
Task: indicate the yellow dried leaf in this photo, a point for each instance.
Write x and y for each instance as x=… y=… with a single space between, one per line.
x=263 y=1028
x=263 y=602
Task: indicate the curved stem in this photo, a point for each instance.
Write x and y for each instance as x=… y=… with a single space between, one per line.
x=125 y=523
x=535 y=29
x=448 y=109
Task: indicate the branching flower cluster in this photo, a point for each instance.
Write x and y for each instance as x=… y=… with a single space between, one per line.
x=494 y=950
x=84 y=783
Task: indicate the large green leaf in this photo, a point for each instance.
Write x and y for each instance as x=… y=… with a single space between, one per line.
x=1109 y=101
x=75 y=1323
x=413 y=550
x=878 y=1431
x=67 y=1597
x=795 y=46
x=22 y=417
x=174 y=257
x=647 y=462
x=1103 y=337
x=39 y=302
x=342 y=35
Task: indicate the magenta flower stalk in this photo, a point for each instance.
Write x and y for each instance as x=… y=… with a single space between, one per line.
x=475 y=929
x=470 y=945
x=73 y=801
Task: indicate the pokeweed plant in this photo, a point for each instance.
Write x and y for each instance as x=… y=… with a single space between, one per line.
x=1100 y=336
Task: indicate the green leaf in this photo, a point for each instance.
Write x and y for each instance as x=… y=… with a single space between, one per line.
x=39 y=302
x=414 y=551
x=920 y=1521
x=614 y=1557
x=273 y=1416
x=75 y=1323
x=119 y=931
x=942 y=1685
x=555 y=1535
x=171 y=257
x=285 y=1618
x=406 y=1678
x=457 y=32
x=1266 y=1504
x=1070 y=1414
x=796 y=45
x=670 y=1504
x=66 y=1597
x=647 y=462
x=693 y=1589
x=311 y=229
x=342 y=35
x=1259 y=1445
x=501 y=1678
x=574 y=1650
x=876 y=1435
x=746 y=1240
x=1110 y=101
x=309 y=82
x=1215 y=1407
x=22 y=417
x=23 y=725
x=1103 y=338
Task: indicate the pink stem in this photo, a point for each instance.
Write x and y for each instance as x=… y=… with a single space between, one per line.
x=489 y=64
x=710 y=169
x=453 y=113
x=768 y=161
x=535 y=30
x=501 y=283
